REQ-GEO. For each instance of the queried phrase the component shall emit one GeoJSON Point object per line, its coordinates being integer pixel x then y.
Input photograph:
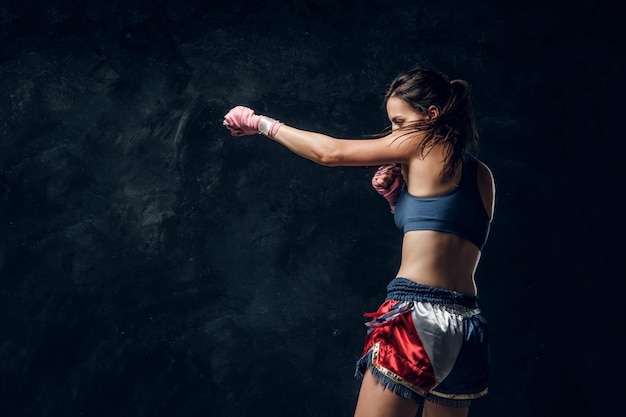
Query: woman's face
{"type": "Point", "coordinates": [400, 113]}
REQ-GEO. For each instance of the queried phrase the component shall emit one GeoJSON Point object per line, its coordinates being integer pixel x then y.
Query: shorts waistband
{"type": "Point", "coordinates": [403, 289]}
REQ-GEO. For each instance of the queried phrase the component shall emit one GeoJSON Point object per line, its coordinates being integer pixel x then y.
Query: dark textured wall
{"type": "Point", "coordinates": [152, 265]}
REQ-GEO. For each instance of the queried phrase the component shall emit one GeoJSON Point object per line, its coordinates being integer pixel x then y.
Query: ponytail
{"type": "Point", "coordinates": [456, 127]}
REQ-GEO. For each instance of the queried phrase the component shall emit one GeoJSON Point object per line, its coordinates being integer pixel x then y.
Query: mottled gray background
{"type": "Point", "coordinates": [152, 265]}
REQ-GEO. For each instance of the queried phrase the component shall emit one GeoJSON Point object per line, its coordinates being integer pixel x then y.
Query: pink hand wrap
{"type": "Point", "coordinates": [391, 183]}
{"type": "Point", "coordinates": [241, 121]}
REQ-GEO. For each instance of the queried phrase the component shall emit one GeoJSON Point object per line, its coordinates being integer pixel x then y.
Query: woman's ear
{"type": "Point", "coordinates": [432, 112]}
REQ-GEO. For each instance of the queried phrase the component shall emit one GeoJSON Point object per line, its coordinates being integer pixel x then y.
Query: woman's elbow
{"type": "Point", "coordinates": [329, 158]}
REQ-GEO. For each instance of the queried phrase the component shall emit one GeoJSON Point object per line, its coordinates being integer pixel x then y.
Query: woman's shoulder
{"type": "Point", "coordinates": [483, 170]}
{"type": "Point", "coordinates": [486, 186]}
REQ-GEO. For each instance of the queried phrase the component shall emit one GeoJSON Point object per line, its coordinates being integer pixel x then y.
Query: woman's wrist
{"type": "Point", "coordinates": [268, 126]}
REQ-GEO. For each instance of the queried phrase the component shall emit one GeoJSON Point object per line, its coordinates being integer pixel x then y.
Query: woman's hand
{"type": "Point", "coordinates": [242, 121]}
{"type": "Point", "coordinates": [388, 182]}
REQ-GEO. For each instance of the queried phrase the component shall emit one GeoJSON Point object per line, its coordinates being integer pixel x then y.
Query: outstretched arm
{"type": "Point", "coordinates": [320, 148]}
{"type": "Point", "coordinates": [329, 151]}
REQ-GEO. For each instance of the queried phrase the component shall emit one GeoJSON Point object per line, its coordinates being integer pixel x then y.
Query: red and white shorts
{"type": "Point", "coordinates": [427, 343]}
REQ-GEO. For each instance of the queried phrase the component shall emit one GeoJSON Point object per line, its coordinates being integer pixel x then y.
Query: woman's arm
{"type": "Point", "coordinates": [323, 149]}
{"type": "Point", "coordinates": [329, 151]}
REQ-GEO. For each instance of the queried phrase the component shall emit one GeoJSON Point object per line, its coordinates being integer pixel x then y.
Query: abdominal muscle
{"type": "Point", "coordinates": [439, 259]}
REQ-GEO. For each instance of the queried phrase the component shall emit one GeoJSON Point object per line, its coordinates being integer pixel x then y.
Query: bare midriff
{"type": "Point", "coordinates": [439, 259]}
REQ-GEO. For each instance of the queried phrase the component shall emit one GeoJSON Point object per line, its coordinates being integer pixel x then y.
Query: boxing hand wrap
{"type": "Point", "coordinates": [241, 120]}
{"type": "Point", "coordinates": [389, 190]}
{"type": "Point", "coordinates": [268, 126]}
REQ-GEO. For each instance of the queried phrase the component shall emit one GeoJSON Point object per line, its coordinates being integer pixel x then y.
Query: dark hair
{"type": "Point", "coordinates": [455, 126]}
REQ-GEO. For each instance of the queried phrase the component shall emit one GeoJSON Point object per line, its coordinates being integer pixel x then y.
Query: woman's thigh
{"type": "Point", "coordinates": [376, 401]}
{"type": "Point", "coordinates": [436, 410]}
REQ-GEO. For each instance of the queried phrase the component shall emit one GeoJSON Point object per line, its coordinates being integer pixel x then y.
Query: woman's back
{"type": "Point", "coordinates": [436, 252]}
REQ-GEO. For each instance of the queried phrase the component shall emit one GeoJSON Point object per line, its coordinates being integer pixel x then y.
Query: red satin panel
{"type": "Point", "coordinates": [400, 351]}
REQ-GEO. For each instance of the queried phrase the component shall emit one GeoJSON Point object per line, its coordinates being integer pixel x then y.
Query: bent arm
{"type": "Point", "coordinates": [329, 151]}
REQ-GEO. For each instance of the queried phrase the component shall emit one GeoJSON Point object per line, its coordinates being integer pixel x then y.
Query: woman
{"type": "Point", "coordinates": [427, 344]}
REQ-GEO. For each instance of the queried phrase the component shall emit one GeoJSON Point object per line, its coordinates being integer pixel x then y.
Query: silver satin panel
{"type": "Point", "coordinates": [440, 328]}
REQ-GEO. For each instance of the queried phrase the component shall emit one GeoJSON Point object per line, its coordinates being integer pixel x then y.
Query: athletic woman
{"type": "Point", "coordinates": [427, 345]}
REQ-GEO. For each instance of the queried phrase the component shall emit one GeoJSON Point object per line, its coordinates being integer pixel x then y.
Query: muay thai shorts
{"type": "Point", "coordinates": [427, 343]}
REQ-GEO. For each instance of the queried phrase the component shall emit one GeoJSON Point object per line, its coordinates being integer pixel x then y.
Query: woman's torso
{"type": "Point", "coordinates": [435, 258]}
